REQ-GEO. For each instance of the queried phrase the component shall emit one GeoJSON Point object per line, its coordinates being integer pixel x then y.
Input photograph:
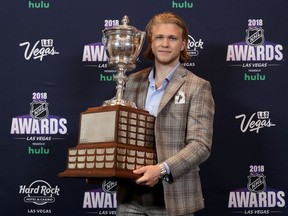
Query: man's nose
{"type": "Point", "coordinates": [165, 42]}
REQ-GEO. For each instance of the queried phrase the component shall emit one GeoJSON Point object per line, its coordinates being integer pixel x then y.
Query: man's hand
{"type": "Point", "coordinates": [150, 175]}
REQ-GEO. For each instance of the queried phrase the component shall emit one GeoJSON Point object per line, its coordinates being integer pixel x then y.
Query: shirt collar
{"type": "Point", "coordinates": [167, 78]}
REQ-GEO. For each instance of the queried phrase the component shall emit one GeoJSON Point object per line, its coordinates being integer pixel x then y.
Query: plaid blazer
{"type": "Point", "coordinates": [183, 133]}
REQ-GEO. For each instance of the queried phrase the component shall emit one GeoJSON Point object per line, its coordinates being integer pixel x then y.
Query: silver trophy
{"type": "Point", "coordinates": [117, 137]}
{"type": "Point", "coordinates": [123, 45]}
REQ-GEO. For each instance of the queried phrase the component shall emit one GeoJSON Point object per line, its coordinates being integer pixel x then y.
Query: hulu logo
{"type": "Point", "coordinates": [38, 5]}
{"type": "Point", "coordinates": [38, 151]}
{"type": "Point", "coordinates": [184, 4]}
{"type": "Point", "coordinates": [106, 78]}
{"type": "Point", "coordinates": [254, 77]}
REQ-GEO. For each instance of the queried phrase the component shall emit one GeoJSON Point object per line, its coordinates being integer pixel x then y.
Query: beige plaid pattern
{"type": "Point", "coordinates": [183, 134]}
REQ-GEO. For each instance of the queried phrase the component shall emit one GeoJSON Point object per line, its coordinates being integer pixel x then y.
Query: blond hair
{"type": "Point", "coordinates": [167, 17]}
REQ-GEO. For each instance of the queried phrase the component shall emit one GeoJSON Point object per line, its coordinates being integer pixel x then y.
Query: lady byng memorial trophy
{"type": "Point", "coordinates": [116, 137]}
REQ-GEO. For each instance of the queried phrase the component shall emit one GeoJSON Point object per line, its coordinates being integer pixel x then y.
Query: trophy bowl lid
{"type": "Point", "coordinates": [123, 27]}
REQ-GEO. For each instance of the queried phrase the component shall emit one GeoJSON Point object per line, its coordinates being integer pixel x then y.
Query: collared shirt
{"type": "Point", "coordinates": [154, 94]}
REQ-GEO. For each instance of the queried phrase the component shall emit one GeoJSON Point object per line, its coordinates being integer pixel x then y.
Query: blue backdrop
{"type": "Point", "coordinates": [53, 61]}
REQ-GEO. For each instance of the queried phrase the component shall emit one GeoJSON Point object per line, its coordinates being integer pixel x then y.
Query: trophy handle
{"type": "Point", "coordinates": [142, 38]}
{"type": "Point", "coordinates": [104, 39]}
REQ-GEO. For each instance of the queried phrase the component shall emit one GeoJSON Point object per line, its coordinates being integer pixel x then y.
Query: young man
{"type": "Point", "coordinates": [184, 109]}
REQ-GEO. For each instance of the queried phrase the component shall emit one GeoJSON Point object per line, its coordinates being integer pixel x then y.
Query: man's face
{"type": "Point", "coordinates": [167, 43]}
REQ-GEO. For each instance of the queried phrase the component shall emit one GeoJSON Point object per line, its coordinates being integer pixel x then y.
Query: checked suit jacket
{"type": "Point", "coordinates": [183, 133]}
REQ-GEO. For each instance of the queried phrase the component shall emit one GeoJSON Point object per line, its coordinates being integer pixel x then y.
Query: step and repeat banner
{"type": "Point", "coordinates": [54, 66]}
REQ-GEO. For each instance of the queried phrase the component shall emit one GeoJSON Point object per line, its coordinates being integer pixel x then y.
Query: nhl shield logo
{"type": "Point", "coordinates": [256, 183]}
{"type": "Point", "coordinates": [39, 110]}
{"type": "Point", "coordinates": [254, 36]}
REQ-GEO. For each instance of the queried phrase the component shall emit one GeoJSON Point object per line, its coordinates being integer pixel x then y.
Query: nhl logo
{"type": "Point", "coordinates": [39, 110]}
{"type": "Point", "coordinates": [256, 183]}
{"type": "Point", "coordinates": [254, 36]}
{"type": "Point", "coordinates": [109, 186]}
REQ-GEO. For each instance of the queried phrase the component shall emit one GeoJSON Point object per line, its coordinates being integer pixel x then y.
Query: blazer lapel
{"type": "Point", "coordinates": [173, 86]}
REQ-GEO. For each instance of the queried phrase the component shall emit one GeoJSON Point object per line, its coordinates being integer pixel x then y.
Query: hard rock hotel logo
{"type": "Point", "coordinates": [38, 127]}
{"type": "Point", "coordinates": [255, 53]}
{"type": "Point", "coordinates": [257, 198]}
{"type": "Point", "coordinates": [40, 193]}
{"type": "Point", "coordinates": [193, 48]}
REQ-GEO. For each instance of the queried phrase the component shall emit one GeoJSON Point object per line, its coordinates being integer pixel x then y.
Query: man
{"type": "Point", "coordinates": [184, 108]}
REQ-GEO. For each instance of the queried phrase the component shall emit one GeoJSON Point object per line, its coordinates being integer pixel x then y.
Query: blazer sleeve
{"type": "Point", "coordinates": [199, 129]}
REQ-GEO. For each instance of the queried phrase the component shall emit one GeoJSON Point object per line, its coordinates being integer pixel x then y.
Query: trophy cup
{"type": "Point", "coordinates": [117, 137]}
{"type": "Point", "coordinates": [123, 45]}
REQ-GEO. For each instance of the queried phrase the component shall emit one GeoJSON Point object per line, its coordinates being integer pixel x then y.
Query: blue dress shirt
{"type": "Point", "coordinates": [154, 94]}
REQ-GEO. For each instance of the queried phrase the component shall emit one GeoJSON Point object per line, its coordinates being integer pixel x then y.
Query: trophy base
{"type": "Point", "coordinates": [106, 161]}
{"type": "Point", "coordinates": [113, 141]}
{"type": "Point", "coordinates": [114, 101]}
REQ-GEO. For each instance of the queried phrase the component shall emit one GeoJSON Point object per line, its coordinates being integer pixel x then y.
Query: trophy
{"type": "Point", "coordinates": [123, 45]}
{"type": "Point", "coordinates": [117, 137]}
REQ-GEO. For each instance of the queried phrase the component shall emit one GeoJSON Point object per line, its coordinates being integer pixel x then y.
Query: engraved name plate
{"type": "Point", "coordinates": [97, 127]}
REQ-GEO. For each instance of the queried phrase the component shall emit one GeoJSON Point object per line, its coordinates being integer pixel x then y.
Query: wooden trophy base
{"type": "Point", "coordinates": [113, 141]}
